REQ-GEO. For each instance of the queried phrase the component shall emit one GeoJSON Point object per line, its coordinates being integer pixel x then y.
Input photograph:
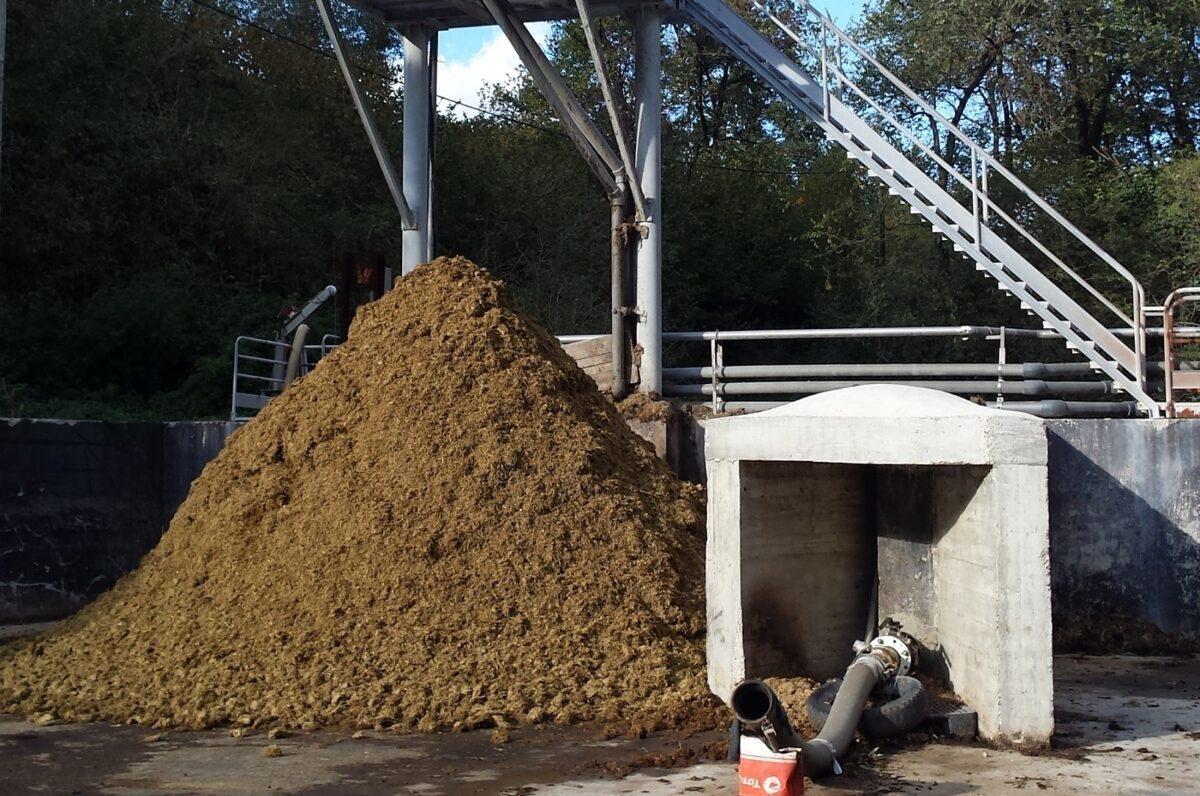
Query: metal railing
{"type": "Point", "coordinates": [834, 41]}
{"type": "Point", "coordinates": [833, 44]}
{"type": "Point", "coordinates": [830, 83]}
{"type": "Point", "coordinates": [717, 381]}
{"type": "Point", "coordinates": [1174, 377]}
{"type": "Point", "coordinates": [259, 367]}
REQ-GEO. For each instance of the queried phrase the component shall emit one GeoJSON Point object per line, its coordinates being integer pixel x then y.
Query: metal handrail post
{"type": "Point", "coordinates": [826, 105]}
{"type": "Point", "coordinates": [829, 27]}
{"type": "Point", "coordinates": [713, 361]}
{"type": "Point", "coordinates": [1183, 294]}
{"type": "Point", "coordinates": [975, 198]}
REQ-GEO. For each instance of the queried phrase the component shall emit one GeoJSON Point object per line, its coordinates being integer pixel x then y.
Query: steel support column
{"type": "Point", "coordinates": [648, 165]}
{"type": "Point", "coordinates": [417, 243]}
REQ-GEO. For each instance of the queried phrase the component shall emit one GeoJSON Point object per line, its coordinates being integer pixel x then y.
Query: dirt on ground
{"type": "Point", "coordinates": [443, 526]}
{"type": "Point", "coordinates": [1108, 632]}
{"type": "Point", "coordinates": [640, 406]}
{"type": "Point", "coordinates": [793, 693]}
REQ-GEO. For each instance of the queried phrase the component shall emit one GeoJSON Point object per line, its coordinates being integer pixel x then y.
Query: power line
{"type": "Point", "coordinates": [495, 114]}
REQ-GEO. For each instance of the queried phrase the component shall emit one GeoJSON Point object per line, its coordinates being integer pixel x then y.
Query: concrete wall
{"type": "Point", "coordinates": [1125, 523]}
{"type": "Point", "coordinates": [807, 542]}
{"type": "Point", "coordinates": [81, 502]}
{"type": "Point", "coordinates": [1124, 494]}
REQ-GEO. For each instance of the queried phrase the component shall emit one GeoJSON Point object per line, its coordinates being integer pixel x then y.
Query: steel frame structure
{"type": "Point", "coordinates": [832, 81]}
{"type": "Point", "coordinates": [630, 174]}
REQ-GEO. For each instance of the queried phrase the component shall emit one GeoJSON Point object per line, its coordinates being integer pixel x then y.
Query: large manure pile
{"type": "Point", "coordinates": [445, 525]}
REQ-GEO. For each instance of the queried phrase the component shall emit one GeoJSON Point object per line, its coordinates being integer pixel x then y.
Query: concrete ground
{"type": "Point", "coordinates": [1124, 724]}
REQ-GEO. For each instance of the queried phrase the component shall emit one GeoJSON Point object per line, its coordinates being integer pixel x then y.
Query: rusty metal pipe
{"type": "Point", "coordinates": [619, 256]}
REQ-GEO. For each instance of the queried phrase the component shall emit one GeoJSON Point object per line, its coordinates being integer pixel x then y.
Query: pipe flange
{"type": "Point", "coordinates": [896, 645]}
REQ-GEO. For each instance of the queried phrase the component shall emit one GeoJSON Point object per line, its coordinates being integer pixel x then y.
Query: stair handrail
{"type": "Point", "coordinates": [1180, 296]}
{"type": "Point", "coordinates": [981, 200]}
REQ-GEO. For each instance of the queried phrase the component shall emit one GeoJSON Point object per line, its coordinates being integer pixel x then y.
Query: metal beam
{"type": "Point", "coordinates": [614, 118]}
{"type": "Point", "coordinates": [648, 162]}
{"type": "Point", "coordinates": [579, 127]}
{"type": "Point", "coordinates": [416, 245]}
{"type": "Point", "coordinates": [407, 219]}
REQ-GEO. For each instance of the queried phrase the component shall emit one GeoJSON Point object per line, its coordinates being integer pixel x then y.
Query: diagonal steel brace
{"type": "Point", "coordinates": [583, 132]}
{"type": "Point", "coordinates": [386, 164]}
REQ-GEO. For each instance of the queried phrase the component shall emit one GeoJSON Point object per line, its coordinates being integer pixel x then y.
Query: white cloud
{"type": "Point", "coordinates": [494, 62]}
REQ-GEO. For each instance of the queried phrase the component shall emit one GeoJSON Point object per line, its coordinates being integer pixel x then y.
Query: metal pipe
{"type": "Point", "coordinates": [1048, 408]}
{"type": "Point", "coordinates": [1028, 370]}
{"type": "Point", "coordinates": [1078, 389]}
{"type": "Point", "coordinates": [433, 71]}
{"type": "Point", "coordinates": [619, 252]}
{"type": "Point", "coordinates": [648, 160]}
{"type": "Point", "coordinates": [841, 334]}
{"type": "Point", "coordinates": [593, 42]}
{"type": "Point", "coordinates": [407, 218]}
{"type": "Point", "coordinates": [415, 243]}
{"type": "Point", "coordinates": [898, 331]}
{"type": "Point", "coordinates": [1073, 408]}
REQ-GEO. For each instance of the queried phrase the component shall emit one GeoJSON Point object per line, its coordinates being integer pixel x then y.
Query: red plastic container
{"type": "Point", "coordinates": [762, 772]}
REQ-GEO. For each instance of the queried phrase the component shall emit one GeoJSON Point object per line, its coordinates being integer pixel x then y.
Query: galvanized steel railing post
{"type": "Point", "coordinates": [975, 209]}
{"type": "Point", "coordinates": [716, 358]}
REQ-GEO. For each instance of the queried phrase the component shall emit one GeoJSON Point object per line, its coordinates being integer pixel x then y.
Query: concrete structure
{"type": "Point", "coordinates": [82, 501]}
{"type": "Point", "coordinates": [1125, 525]}
{"type": "Point", "coordinates": [949, 497]}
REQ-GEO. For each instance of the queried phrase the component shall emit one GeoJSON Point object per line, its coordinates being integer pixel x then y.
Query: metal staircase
{"type": "Point", "coordinates": [977, 212]}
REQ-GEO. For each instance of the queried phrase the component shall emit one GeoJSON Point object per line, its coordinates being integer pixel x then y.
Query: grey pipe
{"type": "Point", "coordinates": [832, 743]}
{"type": "Point", "coordinates": [1029, 370]}
{"type": "Point", "coordinates": [1034, 387]}
{"type": "Point", "coordinates": [620, 368]}
{"type": "Point", "coordinates": [1051, 409]}
{"type": "Point", "coordinates": [756, 706]}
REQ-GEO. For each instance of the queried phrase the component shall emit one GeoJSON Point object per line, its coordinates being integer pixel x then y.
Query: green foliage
{"type": "Point", "coordinates": [171, 177]}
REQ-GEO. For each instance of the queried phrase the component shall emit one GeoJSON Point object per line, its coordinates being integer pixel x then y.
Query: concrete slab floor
{"type": "Point", "coordinates": [1124, 724]}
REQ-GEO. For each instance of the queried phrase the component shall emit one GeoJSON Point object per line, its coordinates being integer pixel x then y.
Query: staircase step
{"type": "Point", "coordinates": [863, 140]}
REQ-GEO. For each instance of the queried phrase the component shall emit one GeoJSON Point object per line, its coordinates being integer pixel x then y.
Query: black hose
{"type": "Point", "coordinates": [755, 705]}
{"type": "Point", "coordinates": [822, 752]}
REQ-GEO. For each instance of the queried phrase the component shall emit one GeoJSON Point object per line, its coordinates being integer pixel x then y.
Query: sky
{"type": "Point", "coordinates": [471, 59]}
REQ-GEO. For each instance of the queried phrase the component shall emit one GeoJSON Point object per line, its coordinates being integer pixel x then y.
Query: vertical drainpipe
{"type": "Point", "coordinates": [648, 163]}
{"type": "Point", "coordinates": [415, 160]}
{"type": "Point", "coordinates": [620, 256]}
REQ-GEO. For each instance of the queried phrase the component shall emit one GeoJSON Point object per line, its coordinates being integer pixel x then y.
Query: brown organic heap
{"type": "Point", "coordinates": [445, 525]}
